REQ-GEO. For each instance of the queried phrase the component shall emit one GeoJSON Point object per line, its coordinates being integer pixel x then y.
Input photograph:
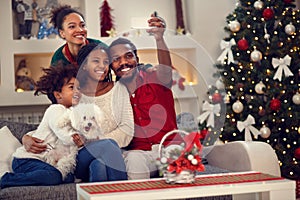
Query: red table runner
{"type": "Point", "coordinates": [99, 188]}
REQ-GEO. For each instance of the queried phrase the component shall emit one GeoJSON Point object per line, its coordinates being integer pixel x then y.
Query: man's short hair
{"type": "Point", "coordinates": [124, 41]}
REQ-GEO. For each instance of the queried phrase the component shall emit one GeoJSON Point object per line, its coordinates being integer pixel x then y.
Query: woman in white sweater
{"type": "Point", "coordinates": [94, 79]}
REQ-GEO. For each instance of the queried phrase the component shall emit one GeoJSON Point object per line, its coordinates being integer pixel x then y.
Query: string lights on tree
{"type": "Point", "coordinates": [259, 67]}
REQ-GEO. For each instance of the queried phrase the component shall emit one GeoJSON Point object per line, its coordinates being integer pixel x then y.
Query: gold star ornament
{"type": "Point", "coordinates": [179, 30]}
{"type": "Point", "coordinates": [112, 32]}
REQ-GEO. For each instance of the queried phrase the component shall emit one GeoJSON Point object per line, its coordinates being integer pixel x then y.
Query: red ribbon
{"type": "Point", "coordinates": [192, 139]}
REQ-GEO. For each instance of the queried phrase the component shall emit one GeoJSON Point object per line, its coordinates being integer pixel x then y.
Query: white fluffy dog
{"type": "Point", "coordinates": [83, 119]}
{"type": "Point", "coordinates": [86, 119]}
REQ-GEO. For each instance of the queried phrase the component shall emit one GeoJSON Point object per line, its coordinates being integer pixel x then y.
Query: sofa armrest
{"type": "Point", "coordinates": [240, 156]}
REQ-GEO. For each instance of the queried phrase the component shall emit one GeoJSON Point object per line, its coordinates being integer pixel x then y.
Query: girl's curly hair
{"type": "Point", "coordinates": [54, 79]}
{"type": "Point", "coordinates": [58, 14]}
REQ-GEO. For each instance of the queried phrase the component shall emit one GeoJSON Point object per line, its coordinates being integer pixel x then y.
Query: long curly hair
{"type": "Point", "coordinates": [58, 14]}
{"type": "Point", "coordinates": [54, 79]}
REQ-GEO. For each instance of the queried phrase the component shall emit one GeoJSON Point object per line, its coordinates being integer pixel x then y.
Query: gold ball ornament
{"type": "Point", "coordinates": [234, 26]}
{"type": "Point", "coordinates": [265, 132]}
{"type": "Point", "coordinates": [259, 87]}
{"type": "Point", "coordinates": [256, 56]}
{"type": "Point", "coordinates": [289, 29]}
{"type": "Point", "coordinates": [237, 107]}
{"type": "Point", "coordinates": [258, 5]}
{"type": "Point", "coordinates": [296, 99]}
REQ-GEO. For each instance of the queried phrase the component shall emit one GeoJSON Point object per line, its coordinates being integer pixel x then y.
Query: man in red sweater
{"type": "Point", "coordinates": [151, 99]}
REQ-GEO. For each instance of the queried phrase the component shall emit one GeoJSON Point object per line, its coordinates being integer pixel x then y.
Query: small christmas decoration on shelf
{"type": "Point", "coordinates": [46, 30]}
{"type": "Point", "coordinates": [179, 18]}
{"type": "Point", "coordinates": [23, 79]}
{"type": "Point", "coordinates": [106, 21]}
{"type": "Point", "coordinates": [179, 163]}
{"type": "Point", "coordinates": [112, 32]}
{"type": "Point", "coordinates": [179, 31]}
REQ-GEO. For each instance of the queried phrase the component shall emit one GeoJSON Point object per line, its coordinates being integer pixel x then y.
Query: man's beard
{"type": "Point", "coordinates": [127, 78]}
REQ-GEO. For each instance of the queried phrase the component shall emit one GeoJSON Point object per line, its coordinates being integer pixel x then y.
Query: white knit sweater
{"type": "Point", "coordinates": [48, 131]}
{"type": "Point", "coordinates": [118, 122]}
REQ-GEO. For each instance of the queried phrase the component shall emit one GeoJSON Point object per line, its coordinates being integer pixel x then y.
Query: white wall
{"type": "Point", "coordinates": [204, 19]}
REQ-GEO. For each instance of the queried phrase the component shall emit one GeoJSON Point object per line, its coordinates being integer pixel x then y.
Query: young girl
{"type": "Point", "coordinates": [29, 168]}
{"type": "Point", "coordinates": [96, 86]}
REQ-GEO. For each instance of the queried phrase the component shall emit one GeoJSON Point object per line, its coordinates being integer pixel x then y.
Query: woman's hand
{"type": "Point", "coordinates": [78, 140]}
{"type": "Point", "coordinates": [33, 145]}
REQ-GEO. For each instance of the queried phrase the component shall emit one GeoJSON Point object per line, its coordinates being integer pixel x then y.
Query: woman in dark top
{"type": "Point", "coordinates": [72, 28]}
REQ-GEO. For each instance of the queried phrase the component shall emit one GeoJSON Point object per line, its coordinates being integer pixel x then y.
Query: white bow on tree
{"type": "Point", "coordinates": [247, 125]}
{"type": "Point", "coordinates": [210, 111]}
{"type": "Point", "coordinates": [226, 46]}
{"type": "Point", "coordinates": [282, 65]}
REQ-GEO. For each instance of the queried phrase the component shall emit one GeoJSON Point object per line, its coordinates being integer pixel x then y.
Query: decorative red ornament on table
{"type": "Point", "coordinates": [179, 163]}
{"type": "Point", "coordinates": [243, 44]}
{"type": "Point", "coordinates": [275, 104]}
{"type": "Point", "coordinates": [297, 153]}
{"type": "Point", "coordinates": [216, 98]}
{"type": "Point", "coordinates": [268, 13]}
{"type": "Point", "coordinates": [191, 141]}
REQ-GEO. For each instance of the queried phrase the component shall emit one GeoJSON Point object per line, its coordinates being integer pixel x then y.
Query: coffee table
{"type": "Point", "coordinates": [242, 186]}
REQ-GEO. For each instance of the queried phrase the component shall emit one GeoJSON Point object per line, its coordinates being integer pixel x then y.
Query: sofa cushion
{"type": "Point", "coordinates": [8, 145]}
{"type": "Point", "coordinates": [18, 129]}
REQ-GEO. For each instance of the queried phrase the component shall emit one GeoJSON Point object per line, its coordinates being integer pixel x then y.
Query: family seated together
{"type": "Point", "coordinates": [137, 109]}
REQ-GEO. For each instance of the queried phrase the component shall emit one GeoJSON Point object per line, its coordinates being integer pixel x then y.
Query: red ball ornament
{"type": "Point", "coordinates": [217, 98]}
{"type": "Point", "coordinates": [243, 44]}
{"type": "Point", "coordinates": [288, 1]}
{"type": "Point", "coordinates": [268, 13]}
{"type": "Point", "coordinates": [297, 153]}
{"type": "Point", "coordinates": [275, 104]}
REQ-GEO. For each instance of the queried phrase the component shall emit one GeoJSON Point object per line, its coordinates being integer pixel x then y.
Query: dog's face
{"type": "Point", "coordinates": [86, 118]}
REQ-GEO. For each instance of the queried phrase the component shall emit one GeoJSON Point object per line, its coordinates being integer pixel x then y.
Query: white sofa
{"type": "Point", "coordinates": [241, 156]}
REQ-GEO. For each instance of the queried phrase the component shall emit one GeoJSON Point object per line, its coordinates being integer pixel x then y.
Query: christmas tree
{"type": "Point", "coordinates": [257, 92]}
{"type": "Point", "coordinates": [106, 21]}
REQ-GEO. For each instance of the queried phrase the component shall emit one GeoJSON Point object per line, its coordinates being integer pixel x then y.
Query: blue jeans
{"type": "Point", "coordinates": [28, 171]}
{"type": "Point", "coordinates": [100, 160]}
